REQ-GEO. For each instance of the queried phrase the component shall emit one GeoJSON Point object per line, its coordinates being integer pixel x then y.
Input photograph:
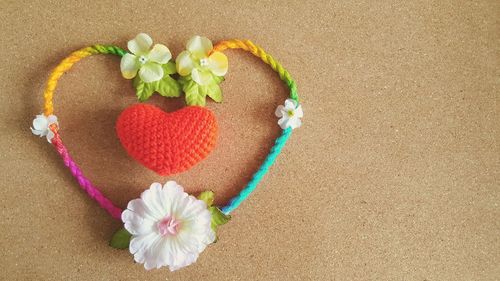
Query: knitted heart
{"type": "Point", "coordinates": [167, 143]}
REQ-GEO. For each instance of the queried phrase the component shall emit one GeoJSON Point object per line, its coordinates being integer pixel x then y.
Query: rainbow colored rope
{"type": "Point", "coordinates": [92, 190]}
{"type": "Point", "coordinates": [257, 51]}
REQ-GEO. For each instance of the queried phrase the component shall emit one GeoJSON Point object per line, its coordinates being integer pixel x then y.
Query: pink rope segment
{"type": "Point", "coordinates": [85, 183]}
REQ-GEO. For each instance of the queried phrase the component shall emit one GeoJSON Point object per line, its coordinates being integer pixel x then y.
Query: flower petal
{"type": "Point", "coordinates": [199, 46]}
{"type": "Point", "coordinates": [52, 119]}
{"type": "Point", "coordinates": [138, 206]}
{"type": "Point", "coordinates": [160, 54]}
{"type": "Point", "coordinates": [151, 72]}
{"type": "Point", "coordinates": [167, 252]}
{"type": "Point", "coordinates": [294, 123]}
{"type": "Point", "coordinates": [217, 63]}
{"type": "Point", "coordinates": [140, 243]}
{"type": "Point", "coordinates": [184, 63]}
{"type": "Point", "coordinates": [140, 44]}
{"type": "Point", "coordinates": [40, 123]}
{"type": "Point", "coordinates": [283, 122]}
{"type": "Point", "coordinates": [50, 135]}
{"type": "Point", "coordinates": [290, 104]}
{"type": "Point", "coordinates": [152, 255]}
{"type": "Point", "coordinates": [298, 112]}
{"type": "Point", "coordinates": [129, 66]}
{"type": "Point", "coordinates": [193, 208]}
{"type": "Point", "coordinates": [137, 224]}
{"type": "Point", "coordinates": [201, 77]}
{"type": "Point", "coordinates": [152, 199]}
{"type": "Point", "coordinates": [38, 132]}
{"type": "Point", "coordinates": [279, 111]}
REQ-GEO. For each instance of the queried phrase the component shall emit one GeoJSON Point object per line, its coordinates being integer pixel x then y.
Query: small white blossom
{"type": "Point", "coordinates": [144, 59]}
{"type": "Point", "coordinates": [200, 61]}
{"type": "Point", "coordinates": [41, 126]}
{"type": "Point", "coordinates": [168, 227]}
{"type": "Point", "coordinates": [289, 114]}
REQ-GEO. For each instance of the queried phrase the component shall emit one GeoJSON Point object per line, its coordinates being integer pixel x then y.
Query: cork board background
{"type": "Point", "coordinates": [394, 175]}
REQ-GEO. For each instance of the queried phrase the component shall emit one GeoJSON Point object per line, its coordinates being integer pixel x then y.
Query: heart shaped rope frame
{"type": "Point", "coordinates": [166, 226]}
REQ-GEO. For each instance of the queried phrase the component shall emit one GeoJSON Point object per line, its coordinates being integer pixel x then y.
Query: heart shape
{"type": "Point", "coordinates": [167, 143]}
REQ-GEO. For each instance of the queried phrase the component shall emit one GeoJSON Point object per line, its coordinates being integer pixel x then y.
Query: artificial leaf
{"type": "Point", "coordinates": [169, 68]}
{"type": "Point", "coordinates": [218, 79]}
{"type": "Point", "coordinates": [194, 98]}
{"type": "Point", "coordinates": [214, 92]}
{"type": "Point", "coordinates": [143, 90]}
{"type": "Point", "coordinates": [167, 87]}
{"type": "Point", "coordinates": [183, 80]}
{"type": "Point", "coordinates": [207, 197]}
{"type": "Point", "coordinates": [194, 95]}
{"type": "Point", "coordinates": [218, 217]}
{"type": "Point", "coordinates": [121, 239]}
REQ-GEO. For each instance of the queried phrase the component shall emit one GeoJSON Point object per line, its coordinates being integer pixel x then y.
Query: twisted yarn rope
{"type": "Point", "coordinates": [64, 66]}
{"type": "Point", "coordinates": [257, 177]}
{"type": "Point", "coordinates": [284, 75]}
{"type": "Point", "coordinates": [92, 190]}
{"type": "Point", "coordinates": [257, 51]}
{"type": "Point", "coordinates": [84, 182]}
{"type": "Point", "coordinates": [67, 63]}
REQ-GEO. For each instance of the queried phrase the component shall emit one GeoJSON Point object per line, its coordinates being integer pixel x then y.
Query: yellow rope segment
{"type": "Point", "coordinates": [64, 66]}
{"type": "Point", "coordinates": [257, 51]}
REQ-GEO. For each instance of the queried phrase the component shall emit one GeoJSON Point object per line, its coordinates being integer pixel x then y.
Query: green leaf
{"type": "Point", "coordinates": [194, 98]}
{"type": "Point", "coordinates": [194, 94]}
{"type": "Point", "coordinates": [143, 90]}
{"type": "Point", "coordinates": [169, 68]}
{"type": "Point", "coordinates": [214, 92]}
{"type": "Point", "coordinates": [168, 87]}
{"type": "Point", "coordinates": [121, 239]}
{"type": "Point", "coordinates": [218, 217]}
{"type": "Point", "coordinates": [208, 197]}
{"type": "Point", "coordinates": [183, 80]}
{"type": "Point", "coordinates": [218, 79]}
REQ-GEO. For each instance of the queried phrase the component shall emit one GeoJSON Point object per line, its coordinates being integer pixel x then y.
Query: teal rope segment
{"type": "Point", "coordinates": [257, 177]}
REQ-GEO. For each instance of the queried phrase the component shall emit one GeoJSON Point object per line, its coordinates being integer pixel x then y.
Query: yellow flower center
{"type": "Point", "coordinates": [290, 113]}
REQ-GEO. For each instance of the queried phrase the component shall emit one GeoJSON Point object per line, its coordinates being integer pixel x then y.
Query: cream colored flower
{"type": "Point", "coordinates": [289, 114]}
{"type": "Point", "coordinates": [200, 62]}
{"type": "Point", "coordinates": [41, 126]}
{"type": "Point", "coordinates": [168, 227]}
{"type": "Point", "coordinates": [144, 59]}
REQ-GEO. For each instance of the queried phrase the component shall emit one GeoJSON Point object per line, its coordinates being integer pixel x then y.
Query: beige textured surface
{"type": "Point", "coordinates": [394, 175]}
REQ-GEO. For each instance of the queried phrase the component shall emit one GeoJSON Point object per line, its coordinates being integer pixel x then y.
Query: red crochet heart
{"type": "Point", "coordinates": [167, 143]}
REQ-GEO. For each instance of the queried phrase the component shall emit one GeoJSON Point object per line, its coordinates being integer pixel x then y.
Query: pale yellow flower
{"type": "Point", "coordinates": [144, 59]}
{"type": "Point", "coordinates": [199, 61]}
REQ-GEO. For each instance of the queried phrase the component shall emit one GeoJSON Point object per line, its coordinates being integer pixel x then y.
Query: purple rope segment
{"type": "Point", "coordinates": [85, 183]}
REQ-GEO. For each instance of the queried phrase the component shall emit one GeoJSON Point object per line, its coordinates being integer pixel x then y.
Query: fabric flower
{"type": "Point", "coordinates": [41, 126]}
{"type": "Point", "coordinates": [200, 62]}
{"type": "Point", "coordinates": [289, 114]}
{"type": "Point", "coordinates": [148, 61]}
{"type": "Point", "coordinates": [168, 227]}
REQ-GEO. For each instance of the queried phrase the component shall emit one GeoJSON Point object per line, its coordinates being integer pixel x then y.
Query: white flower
{"type": "Point", "coordinates": [41, 126]}
{"type": "Point", "coordinates": [199, 61]}
{"type": "Point", "coordinates": [144, 59]}
{"type": "Point", "coordinates": [289, 114]}
{"type": "Point", "coordinates": [168, 227]}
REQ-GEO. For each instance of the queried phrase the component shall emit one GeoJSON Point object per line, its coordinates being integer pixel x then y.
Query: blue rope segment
{"type": "Point", "coordinates": [257, 177]}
